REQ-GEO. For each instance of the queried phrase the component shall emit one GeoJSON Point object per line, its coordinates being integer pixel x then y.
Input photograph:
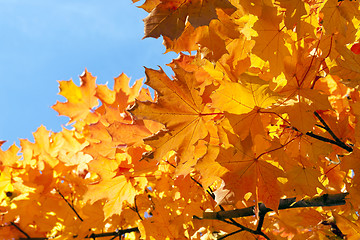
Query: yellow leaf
{"type": "Point", "coordinates": [80, 100]}
{"type": "Point", "coordinates": [240, 98]}
{"type": "Point", "coordinates": [179, 108]}
{"type": "Point", "coordinates": [117, 191]}
{"type": "Point", "coordinates": [348, 66]}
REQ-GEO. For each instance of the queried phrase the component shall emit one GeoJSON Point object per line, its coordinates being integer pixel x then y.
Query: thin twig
{"type": "Point", "coordinates": [137, 210]}
{"type": "Point", "coordinates": [332, 134]}
{"type": "Point", "coordinates": [72, 208]}
{"type": "Point", "coordinates": [116, 233]}
{"type": "Point", "coordinates": [22, 231]}
{"type": "Point", "coordinates": [326, 127]}
{"type": "Point", "coordinates": [323, 139]}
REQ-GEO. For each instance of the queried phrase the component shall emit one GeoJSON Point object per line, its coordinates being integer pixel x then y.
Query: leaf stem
{"type": "Point", "coordinates": [311, 62]}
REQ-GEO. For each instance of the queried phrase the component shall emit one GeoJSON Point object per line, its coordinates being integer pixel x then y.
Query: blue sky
{"type": "Point", "coordinates": [44, 41]}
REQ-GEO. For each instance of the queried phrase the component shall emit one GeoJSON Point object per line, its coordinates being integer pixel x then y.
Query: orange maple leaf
{"type": "Point", "coordinates": [250, 173]}
{"type": "Point", "coordinates": [80, 100]}
{"type": "Point", "coordinates": [117, 191]}
{"type": "Point", "coordinates": [179, 108]}
{"type": "Point", "coordinates": [348, 66]}
{"type": "Point", "coordinates": [169, 17]}
{"type": "Point", "coordinates": [270, 42]}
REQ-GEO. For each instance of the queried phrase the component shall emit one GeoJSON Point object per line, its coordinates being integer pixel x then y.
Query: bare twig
{"type": "Point", "coordinates": [19, 229]}
{"type": "Point", "coordinates": [72, 208]}
{"type": "Point", "coordinates": [136, 209]}
{"type": "Point", "coordinates": [332, 134]}
{"type": "Point", "coordinates": [116, 233]}
{"type": "Point", "coordinates": [328, 140]}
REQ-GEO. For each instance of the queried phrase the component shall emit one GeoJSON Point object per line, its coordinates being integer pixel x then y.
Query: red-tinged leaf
{"type": "Point", "coordinates": [355, 48]}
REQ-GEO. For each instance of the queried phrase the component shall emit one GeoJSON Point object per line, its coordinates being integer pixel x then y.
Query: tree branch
{"type": "Point", "coordinates": [95, 235]}
{"type": "Point", "coordinates": [261, 222]}
{"type": "Point", "coordinates": [336, 141]}
{"type": "Point", "coordinates": [116, 233]}
{"type": "Point", "coordinates": [325, 200]}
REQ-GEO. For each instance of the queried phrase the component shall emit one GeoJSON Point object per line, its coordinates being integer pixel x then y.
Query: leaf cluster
{"type": "Point", "coordinates": [260, 122]}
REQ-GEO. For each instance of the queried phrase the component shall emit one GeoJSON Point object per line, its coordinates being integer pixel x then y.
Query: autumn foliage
{"type": "Point", "coordinates": [255, 136]}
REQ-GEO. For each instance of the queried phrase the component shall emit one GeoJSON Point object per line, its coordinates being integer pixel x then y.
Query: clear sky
{"type": "Point", "coordinates": [43, 41]}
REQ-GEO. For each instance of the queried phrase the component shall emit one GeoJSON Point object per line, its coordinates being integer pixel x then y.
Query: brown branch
{"type": "Point", "coordinates": [334, 228]}
{"type": "Point", "coordinates": [324, 139]}
{"type": "Point", "coordinates": [116, 233]}
{"type": "Point", "coordinates": [96, 235]}
{"type": "Point", "coordinates": [325, 200]}
{"type": "Point", "coordinates": [326, 127]}
{"type": "Point", "coordinates": [332, 134]}
{"type": "Point", "coordinates": [261, 222]}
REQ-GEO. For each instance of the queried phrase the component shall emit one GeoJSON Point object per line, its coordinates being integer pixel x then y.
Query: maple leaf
{"type": "Point", "coordinates": [237, 61]}
{"type": "Point", "coordinates": [295, 9]}
{"type": "Point", "coordinates": [5, 183]}
{"type": "Point", "coordinates": [270, 42]}
{"type": "Point", "coordinates": [240, 98]}
{"type": "Point", "coordinates": [117, 191]}
{"type": "Point", "coordinates": [9, 157]}
{"type": "Point", "coordinates": [348, 66]}
{"type": "Point", "coordinates": [248, 173]}
{"type": "Point", "coordinates": [179, 108]}
{"type": "Point", "coordinates": [210, 170]}
{"type": "Point", "coordinates": [162, 223]}
{"type": "Point", "coordinates": [119, 133]}
{"type": "Point", "coordinates": [169, 17]}
{"type": "Point", "coordinates": [186, 42]}
{"type": "Point", "coordinates": [305, 180]}
{"type": "Point", "coordinates": [149, 5]}
{"type": "Point", "coordinates": [237, 118]}
{"type": "Point", "coordinates": [80, 100]}
{"type": "Point", "coordinates": [337, 17]}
